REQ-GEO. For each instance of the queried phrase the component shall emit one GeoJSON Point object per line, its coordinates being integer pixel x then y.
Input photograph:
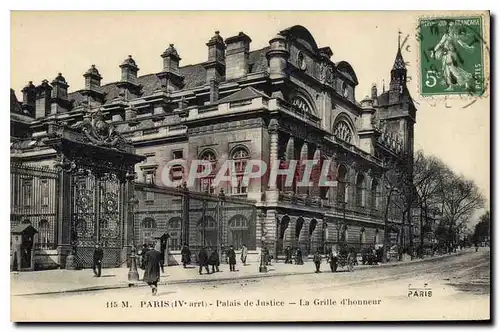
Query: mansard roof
{"type": "Point", "coordinates": [194, 76]}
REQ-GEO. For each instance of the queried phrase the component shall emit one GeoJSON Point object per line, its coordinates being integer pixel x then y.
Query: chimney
{"type": "Point", "coordinates": [277, 57]}
{"type": "Point", "coordinates": [237, 50]}
{"type": "Point", "coordinates": [59, 101]}
{"type": "Point", "coordinates": [214, 91]}
{"type": "Point", "coordinates": [171, 78]}
{"type": "Point", "coordinates": [29, 98]}
{"type": "Point", "coordinates": [43, 96]}
{"type": "Point", "coordinates": [129, 87]}
{"type": "Point", "coordinates": [216, 64]}
{"type": "Point", "coordinates": [93, 86]}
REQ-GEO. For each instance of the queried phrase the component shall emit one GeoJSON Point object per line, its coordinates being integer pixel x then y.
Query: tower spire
{"type": "Point", "coordinates": [399, 40]}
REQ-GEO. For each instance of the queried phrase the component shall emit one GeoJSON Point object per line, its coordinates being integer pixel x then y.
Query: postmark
{"type": "Point", "coordinates": [452, 56]}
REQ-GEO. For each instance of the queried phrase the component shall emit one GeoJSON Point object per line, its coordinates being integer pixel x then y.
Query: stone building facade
{"type": "Point", "coordinates": [286, 101]}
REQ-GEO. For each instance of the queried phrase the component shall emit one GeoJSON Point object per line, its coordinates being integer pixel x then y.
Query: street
{"type": "Point", "coordinates": [455, 287]}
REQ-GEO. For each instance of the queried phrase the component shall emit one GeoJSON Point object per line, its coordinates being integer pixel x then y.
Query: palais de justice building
{"type": "Point", "coordinates": [288, 100]}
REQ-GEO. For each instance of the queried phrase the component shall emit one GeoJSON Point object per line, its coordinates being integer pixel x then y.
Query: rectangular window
{"type": "Point", "coordinates": [27, 192]}
{"type": "Point", "coordinates": [150, 196]}
{"type": "Point", "coordinates": [178, 154]}
{"type": "Point", "coordinates": [149, 177]}
{"type": "Point", "coordinates": [206, 185]}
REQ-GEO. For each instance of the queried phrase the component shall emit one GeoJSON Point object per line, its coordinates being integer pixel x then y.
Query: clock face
{"type": "Point", "coordinates": [301, 61]}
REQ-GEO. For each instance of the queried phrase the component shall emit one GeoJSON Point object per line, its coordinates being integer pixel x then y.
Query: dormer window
{"type": "Point", "coordinates": [344, 90]}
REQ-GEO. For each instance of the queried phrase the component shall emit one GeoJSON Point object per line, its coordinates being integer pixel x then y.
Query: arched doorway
{"type": "Point", "coordinates": [238, 234]}
{"type": "Point", "coordinates": [282, 227]}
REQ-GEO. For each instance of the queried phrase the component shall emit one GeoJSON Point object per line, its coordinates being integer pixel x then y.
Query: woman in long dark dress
{"type": "Point", "coordinates": [152, 267]}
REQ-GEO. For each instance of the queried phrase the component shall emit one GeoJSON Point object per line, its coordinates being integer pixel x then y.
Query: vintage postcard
{"type": "Point", "coordinates": [250, 166]}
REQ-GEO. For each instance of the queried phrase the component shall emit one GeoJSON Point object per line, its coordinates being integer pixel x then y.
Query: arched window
{"type": "Point", "coordinates": [360, 190]}
{"type": "Point", "coordinates": [148, 228]}
{"type": "Point", "coordinates": [374, 195]}
{"type": "Point", "coordinates": [44, 236]}
{"type": "Point", "coordinates": [341, 184]}
{"type": "Point", "coordinates": [240, 157]}
{"type": "Point", "coordinates": [238, 231]}
{"type": "Point", "coordinates": [206, 183]}
{"type": "Point", "coordinates": [343, 132]}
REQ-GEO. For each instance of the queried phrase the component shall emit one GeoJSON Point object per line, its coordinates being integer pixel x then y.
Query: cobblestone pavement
{"type": "Point", "coordinates": [459, 286]}
{"type": "Point", "coordinates": [53, 281]}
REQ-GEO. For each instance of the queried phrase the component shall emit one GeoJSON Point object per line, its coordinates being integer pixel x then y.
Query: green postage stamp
{"type": "Point", "coordinates": [452, 56]}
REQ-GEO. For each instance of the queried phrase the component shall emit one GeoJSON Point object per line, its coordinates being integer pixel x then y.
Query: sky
{"type": "Point", "coordinates": [46, 43]}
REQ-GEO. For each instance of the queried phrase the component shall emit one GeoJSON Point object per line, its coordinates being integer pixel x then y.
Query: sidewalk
{"type": "Point", "coordinates": [62, 281]}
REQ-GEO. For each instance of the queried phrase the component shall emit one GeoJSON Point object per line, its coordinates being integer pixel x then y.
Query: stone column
{"type": "Point", "coordinates": [128, 221]}
{"type": "Point", "coordinates": [272, 192]}
{"type": "Point", "coordinates": [270, 224]}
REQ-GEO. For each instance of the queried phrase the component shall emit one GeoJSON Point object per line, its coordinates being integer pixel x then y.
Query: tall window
{"type": "Point", "coordinates": [377, 237]}
{"type": "Point", "coordinates": [44, 192]}
{"type": "Point", "coordinates": [240, 157]}
{"type": "Point", "coordinates": [207, 182]}
{"type": "Point", "coordinates": [374, 195]}
{"type": "Point", "coordinates": [342, 184]}
{"type": "Point", "coordinates": [27, 192]}
{"type": "Point", "coordinates": [360, 190]}
{"type": "Point", "coordinates": [174, 227]}
{"type": "Point", "coordinates": [148, 228]}
{"type": "Point", "coordinates": [238, 228]}
{"type": "Point", "coordinates": [362, 236]}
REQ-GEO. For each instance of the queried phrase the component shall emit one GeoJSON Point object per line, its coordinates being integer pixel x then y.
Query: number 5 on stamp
{"type": "Point", "coordinates": [451, 56]}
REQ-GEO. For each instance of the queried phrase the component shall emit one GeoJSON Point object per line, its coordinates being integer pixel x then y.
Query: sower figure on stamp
{"type": "Point", "coordinates": [152, 266]}
{"type": "Point", "coordinates": [97, 264]}
{"type": "Point", "coordinates": [244, 253]}
{"type": "Point", "coordinates": [203, 260]}
{"type": "Point", "coordinates": [186, 255]}
{"type": "Point", "coordinates": [213, 261]}
{"type": "Point", "coordinates": [317, 260]}
{"type": "Point", "coordinates": [288, 255]}
{"type": "Point", "coordinates": [231, 256]}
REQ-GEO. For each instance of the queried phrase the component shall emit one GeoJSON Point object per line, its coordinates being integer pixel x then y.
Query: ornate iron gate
{"type": "Point", "coordinates": [96, 217]}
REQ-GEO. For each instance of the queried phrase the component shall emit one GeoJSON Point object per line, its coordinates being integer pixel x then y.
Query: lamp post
{"type": "Point", "coordinates": [262, 265]}
{"type": "Point", "coordinates": [133, 275]}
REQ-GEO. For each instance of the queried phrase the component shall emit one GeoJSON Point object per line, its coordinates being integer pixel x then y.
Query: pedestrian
{"type": "Point", "coordinates": [97, 261]}
{"type": "Point", "coordinates": [288, 255]}
{"type": "Point", "coordinates": [298, 257]}
{"type": "Point", "coordinates": [267, 256]}
{"type": "Point", "coordinates": [142, 254]}
{"type": "Point", "coordinates": [244, 253]}
{"type": "Point", "coordinates": [186, 255]}
{"type": "Point", "coordinates": [332, 259]}
{"type": "Point", "coordinates": [152, 267]}
{"type": "Point", "coordinates": [203, 260]}
{"type": "Point", "coordinates": [231, 256]}
{"type": "Point", "coordinates": [214, 261]}
{"type": "Point", "coordinates": [476, 245]}
{"type": "Point", "coordinates": [317, 260]}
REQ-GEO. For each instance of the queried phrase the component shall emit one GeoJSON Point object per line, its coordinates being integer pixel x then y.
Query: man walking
{"type": "Point", "coordinates": [244, 253]}
{"type": "Point", "coordinates": [186, 255]}
{"type": "Point", "coordinates": [317, 260]}
{"type": "Point", "coordinates": [231, 256]}
{"type": "Point", "coordinates": [97, 262]}
{"type": "Point", "coordinates": [203, 260]}
{"type": "Point", "coordinates": [213, 261]}
{"type": "Point", "coordinates": [152, 266]}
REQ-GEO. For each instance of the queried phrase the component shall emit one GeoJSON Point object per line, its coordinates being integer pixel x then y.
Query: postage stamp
{"type": "Point", "coordinates": [452, 56]}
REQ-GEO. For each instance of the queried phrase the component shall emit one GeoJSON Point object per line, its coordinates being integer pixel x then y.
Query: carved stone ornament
{"type": "Point", "coordinates": [326, 74]}
{"type": "Point", "coordinates": [99, 132]}
{"type": "Point", "coordinates": [343, 132]}
{"type": "Point", "coordinates": [273, 126]}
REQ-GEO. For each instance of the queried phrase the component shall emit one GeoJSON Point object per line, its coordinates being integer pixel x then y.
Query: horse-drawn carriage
{"type": "Point", "coordinates": [345, 258]}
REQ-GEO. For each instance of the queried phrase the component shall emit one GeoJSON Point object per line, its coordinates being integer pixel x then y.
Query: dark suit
{"type": "Point", "coordinates": [97, 264]}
